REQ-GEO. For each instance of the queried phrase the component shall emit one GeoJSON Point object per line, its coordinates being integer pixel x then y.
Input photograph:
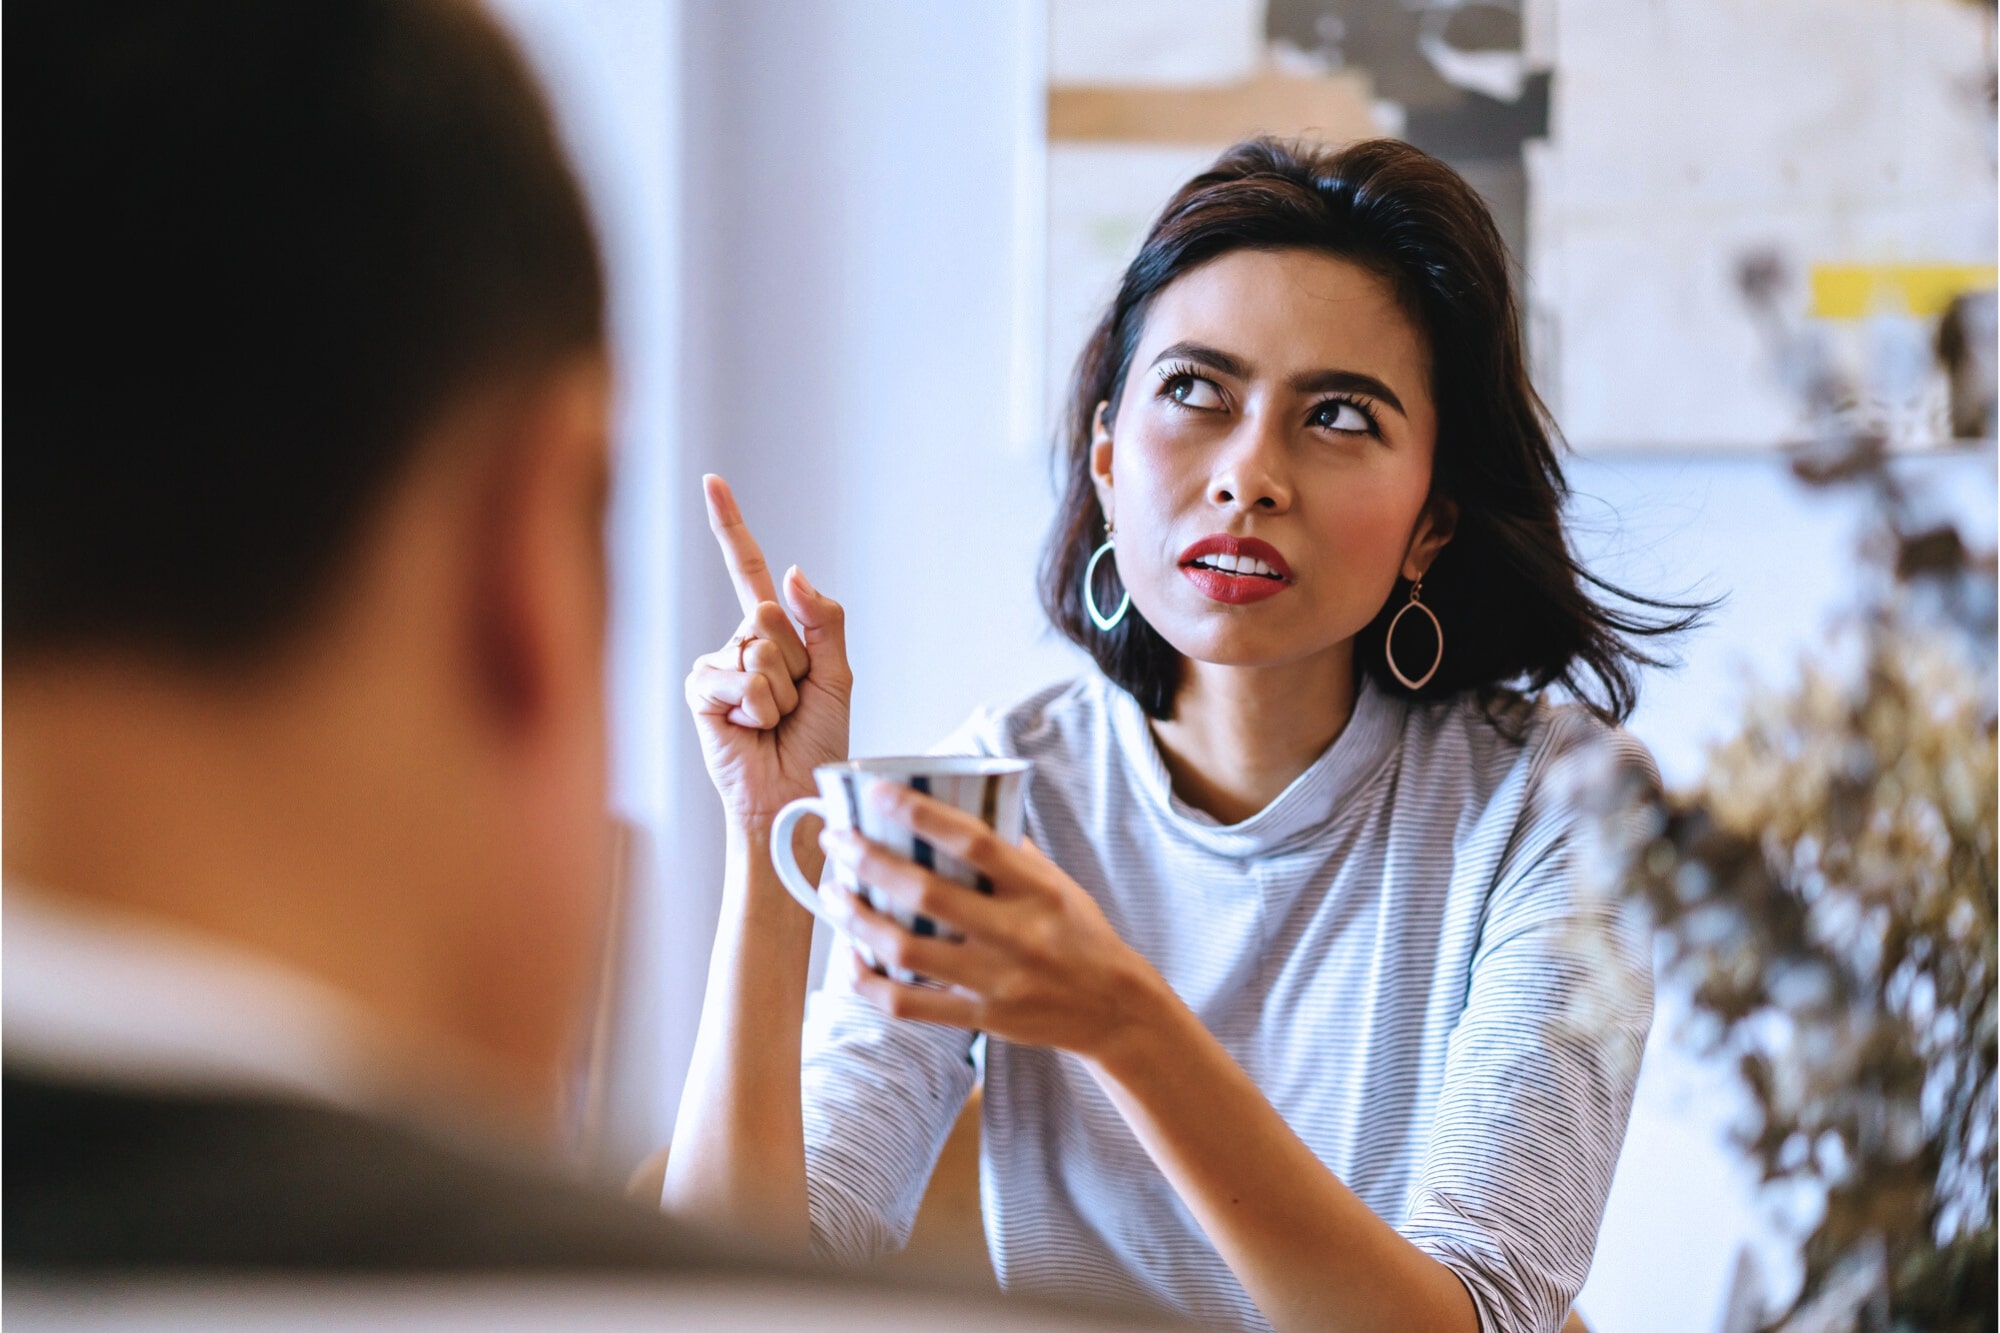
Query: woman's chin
{"type": "Point", "coordinates": [1250, 647]}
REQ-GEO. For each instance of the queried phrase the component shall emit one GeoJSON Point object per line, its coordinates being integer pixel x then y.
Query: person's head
{"type": "Point", "coordinates": [1320, 351]}
{"type": "Point", "coordinates": [307, 457]}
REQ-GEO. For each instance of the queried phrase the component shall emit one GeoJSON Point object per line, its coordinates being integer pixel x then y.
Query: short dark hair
{"type": "Point", "coordinates": [255, 250]}
{"type": "Point", "coordinates": [1515, 603]}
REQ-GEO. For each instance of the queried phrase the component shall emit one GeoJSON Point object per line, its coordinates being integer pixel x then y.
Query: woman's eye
{"type": "Point", "coordinates": [1342, 416]}
{"type": "Point", "coordinates": [1193, 391]}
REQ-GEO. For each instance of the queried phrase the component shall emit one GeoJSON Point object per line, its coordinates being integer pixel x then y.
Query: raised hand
{"type": "Point", "coordinates": [771, 704]}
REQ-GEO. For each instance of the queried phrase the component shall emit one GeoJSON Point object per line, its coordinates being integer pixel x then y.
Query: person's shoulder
{"type": "Point", "coordinates": [100, 1177]}
{"type": "Point", "coordinates": [1573, 746]}
{"type": "Point", "coordinates": [1488, 738]}
{"type": "Point", "coordinates": [202, 1190]}
{"type": "Point", "coordinates": [1058, 719]}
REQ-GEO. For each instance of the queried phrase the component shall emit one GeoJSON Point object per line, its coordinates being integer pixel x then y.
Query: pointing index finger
{"type": "Point", "coordinates": [740, 552]}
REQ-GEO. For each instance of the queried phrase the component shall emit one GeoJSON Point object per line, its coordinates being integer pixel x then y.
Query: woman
{"type": "Point", "coordinates": [1279, 1006]}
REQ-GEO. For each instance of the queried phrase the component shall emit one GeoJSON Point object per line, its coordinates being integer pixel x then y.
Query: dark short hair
{"type": "Point", "coordinates": [255, 249]}
{"type": "Point", "coordinates": [1518, 609]}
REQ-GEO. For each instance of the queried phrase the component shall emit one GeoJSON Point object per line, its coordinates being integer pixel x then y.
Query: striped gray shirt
{"type": "Point", "coordinates": [1396, 950]}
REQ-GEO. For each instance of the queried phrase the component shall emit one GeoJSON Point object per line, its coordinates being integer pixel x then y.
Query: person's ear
{"type": "Point", "coordinates": [1436, 526]}
{"type": "Point", "coordinates": [539, 575]}
{"type": "Point", "coordinates": [1100, 456]}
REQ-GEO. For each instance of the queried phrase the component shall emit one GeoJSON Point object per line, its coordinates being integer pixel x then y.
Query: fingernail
{"type": "Point", "coordinates": [804, 582]}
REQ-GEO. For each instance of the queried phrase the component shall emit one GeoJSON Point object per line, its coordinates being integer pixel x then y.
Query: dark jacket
{"type": "Point", "coordinates": [101, 1178]}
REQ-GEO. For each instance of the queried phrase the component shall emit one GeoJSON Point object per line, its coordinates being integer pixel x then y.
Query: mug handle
{"type": "Point", "coordinates": [787, 865]}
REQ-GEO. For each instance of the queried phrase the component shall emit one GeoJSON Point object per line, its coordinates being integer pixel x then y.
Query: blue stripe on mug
{"type": "Point", "coordinates": [921, 853]}
{"type": "Point", "coordinates": [989, 812]}
{"type": "Point", "coordinates": [853, 794]}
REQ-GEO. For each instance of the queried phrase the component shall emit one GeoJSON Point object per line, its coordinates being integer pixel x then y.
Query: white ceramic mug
{"type": "Point", "coordinates": [991, 790]}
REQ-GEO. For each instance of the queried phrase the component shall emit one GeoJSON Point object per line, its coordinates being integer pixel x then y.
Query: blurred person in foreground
{"type": "Point", "coordinates": [304, 658]}
{"type": "Point", "coordinates": [304, 731]}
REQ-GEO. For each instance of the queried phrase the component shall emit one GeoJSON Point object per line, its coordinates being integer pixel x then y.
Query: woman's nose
{"type": "Point", "coordinates": [1251, 473]}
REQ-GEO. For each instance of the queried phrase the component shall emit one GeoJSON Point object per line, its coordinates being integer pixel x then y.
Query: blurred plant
{"type": "Point", "coordinates": [1827, 897]}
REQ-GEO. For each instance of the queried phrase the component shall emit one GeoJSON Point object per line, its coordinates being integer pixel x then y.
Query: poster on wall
{"type": "Point", "coordinates": [1635, 156]}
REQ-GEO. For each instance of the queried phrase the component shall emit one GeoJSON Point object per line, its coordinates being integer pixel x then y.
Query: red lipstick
{"type": "Point", "coordinates": [1224, 569]}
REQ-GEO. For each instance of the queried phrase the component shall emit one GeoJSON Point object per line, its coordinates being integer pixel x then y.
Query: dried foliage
{"type": "Point", "coordinates": [1827, 895]}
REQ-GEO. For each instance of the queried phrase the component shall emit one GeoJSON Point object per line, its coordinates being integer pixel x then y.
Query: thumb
{"type": "Point", "coordinates": [823, 626]}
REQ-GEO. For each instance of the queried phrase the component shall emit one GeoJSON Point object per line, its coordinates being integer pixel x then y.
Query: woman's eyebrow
{"type": "Point", "coordinates": [1311, 381]}
{"type": "Point", "coordinates": [1346, 381]}
{"type": "Point", "coordinates": [1213, 358]}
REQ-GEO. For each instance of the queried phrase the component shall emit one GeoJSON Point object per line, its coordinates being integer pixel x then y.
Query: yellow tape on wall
{"type": "Point", "coordinates": [1855, 291]}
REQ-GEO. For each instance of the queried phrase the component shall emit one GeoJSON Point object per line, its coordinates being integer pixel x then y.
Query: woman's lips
{"type": "Point", "coordinates": [1242, 584]}
{"type": "Point", "coordinates": [1233, 588]}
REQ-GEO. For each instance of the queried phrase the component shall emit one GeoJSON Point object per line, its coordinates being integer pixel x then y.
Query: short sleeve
{"type": "Point", "coordinates": [1540, 1069]}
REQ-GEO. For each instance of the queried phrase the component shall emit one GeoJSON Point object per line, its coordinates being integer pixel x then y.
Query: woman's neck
{"type": "Point", "coordinates": [1240, 735]}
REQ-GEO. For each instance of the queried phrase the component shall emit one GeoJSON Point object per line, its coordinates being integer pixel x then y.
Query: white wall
{"type": "Point", "coordinates": [854, 278]}
{"type": "Point", "coordinates": [817, 216]}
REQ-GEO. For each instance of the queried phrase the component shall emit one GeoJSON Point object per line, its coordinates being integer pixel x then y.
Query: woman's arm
{"type": "Point", "coordinates": [769, 707]}
{"type": "Point", "coordinates": [1308, 1251]}
{"type": "Point", "coordinates": [1041, 966]}
{"type": "Point", "coordinates": [739, 1143]}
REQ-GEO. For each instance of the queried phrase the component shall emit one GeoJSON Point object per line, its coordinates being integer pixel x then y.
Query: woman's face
{"type": "Point", "coordinates": [1268, 470]}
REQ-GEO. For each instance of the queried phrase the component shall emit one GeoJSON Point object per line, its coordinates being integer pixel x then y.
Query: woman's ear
{"type": "Point", "coordinates": [1435, 527]}
{"type": "Point", "coordinates": [1100, 456]}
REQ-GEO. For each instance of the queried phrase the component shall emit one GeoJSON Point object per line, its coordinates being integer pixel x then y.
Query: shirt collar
{"type": "Point", "coordinates": [1313, 798]}
{"type": "Point", "coordinates": [101, 997]}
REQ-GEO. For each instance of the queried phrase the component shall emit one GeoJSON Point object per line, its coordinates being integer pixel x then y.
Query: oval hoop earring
{"type": "Point", "coordinates": [1097, 617]}
{"type": "Point", "coordinates": [1389, 640]}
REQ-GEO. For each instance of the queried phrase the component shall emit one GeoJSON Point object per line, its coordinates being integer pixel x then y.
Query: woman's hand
{"type": "Point", "coordinates": [1038, 963]}
{"type": "Point", "coordinates": [771, 704]}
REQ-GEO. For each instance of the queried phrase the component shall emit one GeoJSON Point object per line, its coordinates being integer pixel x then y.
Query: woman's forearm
{"type": "Point", "coordinates": [738, 1158]}
{"type": "Point", "coordinates": [1308, 1251]}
